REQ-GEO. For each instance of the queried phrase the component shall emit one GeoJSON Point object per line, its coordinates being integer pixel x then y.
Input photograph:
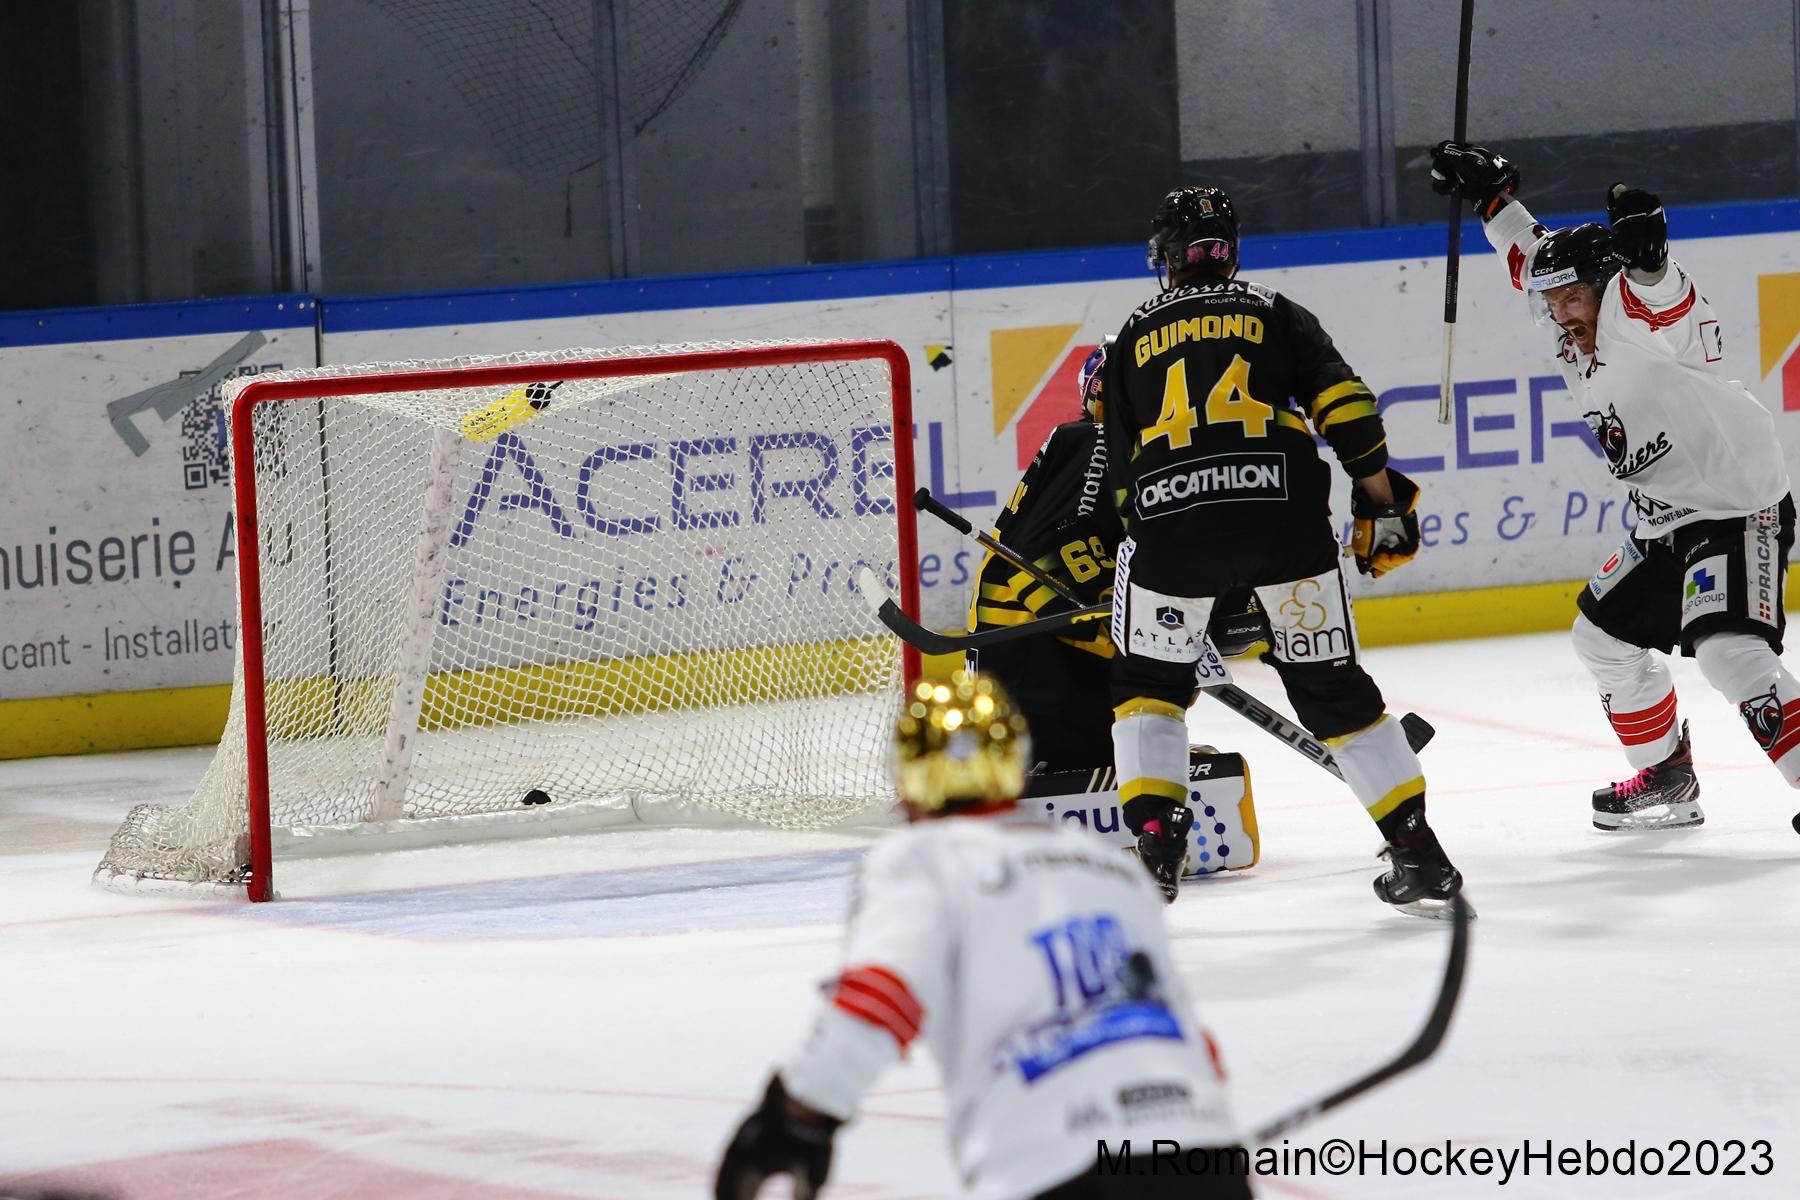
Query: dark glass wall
{"type": "Point", "coordinates": [190, 148]}
{"type": "Point", "coordinates": [1062, 118]}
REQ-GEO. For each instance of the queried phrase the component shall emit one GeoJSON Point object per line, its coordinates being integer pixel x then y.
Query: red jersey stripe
{"type": "Point", "coordinates": [890, 985]}
{"type": "Point", "coordinates": [1638, 310]}
{"type": "Point", "coordinates": [877, 1013]}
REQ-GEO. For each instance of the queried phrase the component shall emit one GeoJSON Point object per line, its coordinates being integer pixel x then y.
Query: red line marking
{"type": "Point", "coordinates": [745, 1101]}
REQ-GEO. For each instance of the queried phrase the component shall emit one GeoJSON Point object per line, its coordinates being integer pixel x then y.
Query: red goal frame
{"type": "Point", "coordinates": [260, 885]}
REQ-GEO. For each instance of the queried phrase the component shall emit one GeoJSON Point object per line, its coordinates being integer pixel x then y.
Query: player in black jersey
{"type": "Point", "coordinates": [1062, 519]}
{"type": "Point", "coordinates": [1210, 389]}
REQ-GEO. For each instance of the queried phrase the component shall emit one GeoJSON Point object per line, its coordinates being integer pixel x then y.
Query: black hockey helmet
{"type": "Point", "coordinates": [1577, 254]}
{"type": "Point", "coordinates": [1194, 227]}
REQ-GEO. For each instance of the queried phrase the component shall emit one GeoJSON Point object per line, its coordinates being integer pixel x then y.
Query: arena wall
{"type": "Point", "coordinates": [116, 539]}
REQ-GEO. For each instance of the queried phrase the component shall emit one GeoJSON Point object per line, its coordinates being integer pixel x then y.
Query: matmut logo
{"type": "Point", "coordinates": [1036, 371]}
{"type": "Point", "coordinates": [1778, 315]}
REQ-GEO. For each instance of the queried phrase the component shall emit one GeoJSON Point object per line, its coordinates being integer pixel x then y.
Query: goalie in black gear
{"type": "Point", "coordinates": [1062, 519]}
{"type": "Point", "coordinates": [1213, 392]}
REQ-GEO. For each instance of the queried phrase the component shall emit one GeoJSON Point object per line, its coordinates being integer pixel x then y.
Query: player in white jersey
{"type": "Point", "coordinates": [1033, 960]}
{"type": "Point", "coordinates": [1642, 353]}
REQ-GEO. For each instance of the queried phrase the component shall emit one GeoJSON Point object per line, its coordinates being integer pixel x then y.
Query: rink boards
{"type": "Point", "coordinates": [117, 544]}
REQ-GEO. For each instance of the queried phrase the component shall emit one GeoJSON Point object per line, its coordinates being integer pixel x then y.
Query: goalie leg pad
{"type": "Point", "coordinates": [1224, 836]}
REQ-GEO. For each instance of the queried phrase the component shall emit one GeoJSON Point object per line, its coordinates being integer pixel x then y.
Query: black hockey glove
{"type": "Point", "coordinates": [777, 1140]}
{"type": "Point", "coordinates": [1639, 229]}
{"type": "Point", "coordinates": [1384, 536]}
{"type": "Point", "coordinates": [1485, 178]}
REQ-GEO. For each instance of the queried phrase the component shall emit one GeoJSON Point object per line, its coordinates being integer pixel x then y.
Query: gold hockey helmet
{"type": "Point", "coordinates": [960, 743]}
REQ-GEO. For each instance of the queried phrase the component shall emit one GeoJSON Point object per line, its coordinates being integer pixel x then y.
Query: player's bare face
{"type": "Point", "coordinates": [1576, 307]}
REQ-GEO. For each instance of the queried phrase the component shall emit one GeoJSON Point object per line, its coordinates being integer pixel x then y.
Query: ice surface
{"type": "Point", "coordinates": [590, 1016]}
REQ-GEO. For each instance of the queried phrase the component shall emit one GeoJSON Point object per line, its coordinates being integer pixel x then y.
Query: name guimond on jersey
{"type": "Point", "coordinates": [1213, 480]}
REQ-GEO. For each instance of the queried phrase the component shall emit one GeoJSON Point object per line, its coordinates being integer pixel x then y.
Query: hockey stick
{"type": "Point", "coordinates": [924, 501]}
{"type": "Point", "coordinates": [1422, 1047]}
{"type": "Point", "coordinates": [931, 642]}
{"type": "Point", "coordinates": [1418, 730]}
{"type": "Point", "coordinates": [1453, 256]}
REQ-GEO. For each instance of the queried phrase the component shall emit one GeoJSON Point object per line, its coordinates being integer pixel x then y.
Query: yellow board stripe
{"type": "Point", "coordinates": [313, 706]}
{"type": "Point", "coordinates": [195, 716]}
{"type": "Point", "coordinates": [1147, 705]}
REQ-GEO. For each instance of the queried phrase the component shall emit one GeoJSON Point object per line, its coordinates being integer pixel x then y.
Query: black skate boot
{"type": "Point", "coordinates": [1665, 796]}
{"type": "Point", "coordinates": [1163, 848]}
{"type": "Point", "coordinates": [1420, 879]}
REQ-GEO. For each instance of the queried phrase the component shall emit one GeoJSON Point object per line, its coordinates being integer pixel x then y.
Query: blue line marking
{"type": "Point", "coordinates": [745, 893]}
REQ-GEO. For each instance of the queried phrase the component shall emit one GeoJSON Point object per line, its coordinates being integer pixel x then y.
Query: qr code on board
{"type": "Point", "coordinates": [205, 457]}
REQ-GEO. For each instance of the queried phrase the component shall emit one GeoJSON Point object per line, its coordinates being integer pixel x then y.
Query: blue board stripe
{"type": "Point", "coordinates": [56, 326]}
{"type": "Point", "coordinates": [794, 284]}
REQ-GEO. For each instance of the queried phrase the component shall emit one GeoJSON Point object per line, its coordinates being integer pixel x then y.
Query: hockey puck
{"type": "Point", "coordinates": [1797, 822]}
{"type": "Point", "coordinates": [535, 796]}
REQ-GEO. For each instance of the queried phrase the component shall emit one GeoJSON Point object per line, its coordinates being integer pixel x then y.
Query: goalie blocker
{"type": "Point", "coordinates": [1223, 837]}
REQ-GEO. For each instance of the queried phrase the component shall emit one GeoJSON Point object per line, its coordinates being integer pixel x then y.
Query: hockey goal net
{"type": "Point", "coordinates": [484, 591]}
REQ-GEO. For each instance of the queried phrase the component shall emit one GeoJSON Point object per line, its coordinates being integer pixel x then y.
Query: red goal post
{"type": "Point", "coordinates": [447, 676]}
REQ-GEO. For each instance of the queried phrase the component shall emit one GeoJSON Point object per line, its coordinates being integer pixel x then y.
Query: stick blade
{"type": "Point", "coordinates": [868, 586]}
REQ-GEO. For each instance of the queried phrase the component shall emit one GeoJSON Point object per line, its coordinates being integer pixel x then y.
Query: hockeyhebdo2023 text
{"type": "Point", "coordinates": [710, 483]}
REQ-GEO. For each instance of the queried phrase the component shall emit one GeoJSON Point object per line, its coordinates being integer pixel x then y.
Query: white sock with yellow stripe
{"type": "Point", "coordinates": [1381, 769]}
{"type": "Point", "coordinates": [1150, 754]}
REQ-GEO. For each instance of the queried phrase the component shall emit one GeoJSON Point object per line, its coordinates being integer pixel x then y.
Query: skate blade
{"type": "Point", "coordinates": [1664, 816]}
{"type": "Point", "coordinates": [1432, 908]}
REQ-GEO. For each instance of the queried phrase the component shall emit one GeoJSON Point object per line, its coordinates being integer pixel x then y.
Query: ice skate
{"type": "Point", "coordinates": [1420, 879]}
{"type": "Point", "coordinates": [1665, 796]}
{"type": "Point", "coordinates": [1163, 848]}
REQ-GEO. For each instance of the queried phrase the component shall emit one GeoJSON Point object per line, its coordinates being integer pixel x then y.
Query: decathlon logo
{"type": "Point", "coordinates": [1215, 480]}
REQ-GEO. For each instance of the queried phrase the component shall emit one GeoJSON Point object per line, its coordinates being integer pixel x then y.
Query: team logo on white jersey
{"type": "Point", "coordinates": [1621, 458]}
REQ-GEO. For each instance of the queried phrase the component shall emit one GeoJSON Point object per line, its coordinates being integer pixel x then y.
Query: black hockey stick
{"type": "Point", "coordinates": [1453, 256]}
{"type": "Point", "coordinates": [1422, 1047]}
{"type": "Point", "coordinates": [1418, 730]}
{"type": "Point", "coordinates": [931, 642]}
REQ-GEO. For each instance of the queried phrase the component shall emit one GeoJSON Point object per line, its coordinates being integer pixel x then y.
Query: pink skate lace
{"type": "Point", "coordinates": [1637, 783]}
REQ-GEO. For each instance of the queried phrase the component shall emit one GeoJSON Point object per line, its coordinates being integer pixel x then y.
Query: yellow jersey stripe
{"type": "Point", "coordinates": [1400, 795]}
{"type": "Point", "coordinates": [1337, 391]}
{"type": "Point", "coordinates": [1148, 706]}
{"type": "Point", "coordinates": [1345, 410]}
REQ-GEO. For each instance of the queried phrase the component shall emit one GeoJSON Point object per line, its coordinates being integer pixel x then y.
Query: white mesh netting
{"type": "Point", "coordinates": [603, 592]}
